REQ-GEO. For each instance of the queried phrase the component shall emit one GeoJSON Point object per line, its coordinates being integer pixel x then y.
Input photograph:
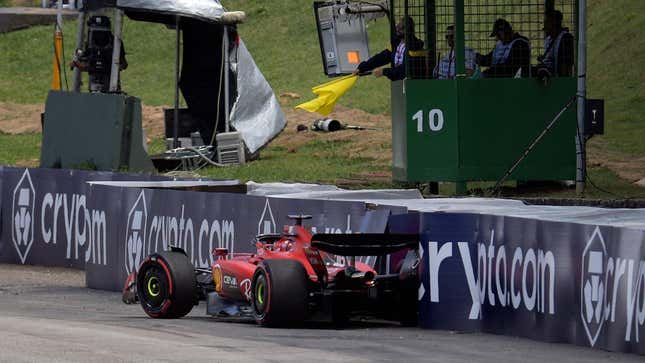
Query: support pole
{"type": "Point", "coordinates": [581, 147]}
{"type": "Point", "coordinates": [58, 49]}
{"type": "Point", "coordinates": [175, 134]}
{"type": "Point", "coordinates": [59, 15]}
{"type": "Point", "coordinates": [80, 38]}
{"type": "Point", "coordinates": [116, 53]}
{"type": "Point", "coordinates": [227, 68]}
{"type": "Point", "coordinates": [407, 40]}
{"type": "Point", "coordinates": [431, 35]}
{"type": "Point", "coordinates": [460, 52]}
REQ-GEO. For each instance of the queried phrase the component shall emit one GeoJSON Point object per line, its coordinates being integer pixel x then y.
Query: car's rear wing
{"type": "Point", "coordinates": [364, 244]}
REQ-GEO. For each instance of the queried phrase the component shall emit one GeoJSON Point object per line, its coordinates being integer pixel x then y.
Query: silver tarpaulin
{"type": "Point", "coordinates": [256, 112]}
{"type": "Point", "coordinates": [209, 10]}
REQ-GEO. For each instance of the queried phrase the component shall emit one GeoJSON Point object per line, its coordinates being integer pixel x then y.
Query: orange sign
{"type": "Point", "coordinates": [353, 57]}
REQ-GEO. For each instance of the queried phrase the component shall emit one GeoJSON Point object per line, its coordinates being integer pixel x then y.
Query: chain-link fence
{"type": "Point", "coordinates": [523, 20]}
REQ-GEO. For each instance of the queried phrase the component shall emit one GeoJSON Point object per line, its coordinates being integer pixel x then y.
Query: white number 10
{"type": "Point", "coordinates": [435, 120]}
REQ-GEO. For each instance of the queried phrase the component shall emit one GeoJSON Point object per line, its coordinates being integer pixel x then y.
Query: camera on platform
{"type": "Point", "coordinates": [96, 57]}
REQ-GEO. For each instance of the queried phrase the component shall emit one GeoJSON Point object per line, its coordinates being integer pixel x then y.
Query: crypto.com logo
{"type": "Point", "coordinates": [135, 233]}
{"type": "Point", "coordinates": [593, 292]}
{"type": "Point", "coordinates": [266, 225]}
{"type": "Point", "coordinates": [22, 211]}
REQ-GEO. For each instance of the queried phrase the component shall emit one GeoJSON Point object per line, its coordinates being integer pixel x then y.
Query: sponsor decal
{"type": "Point", "coordinates": [530, 285]}
{"type": "Point", "coordinates": [84, 230]}
{"type": "Point", "coordinates": [267, 225]}
{"type": "Point", "coordinates": [593, 292]}
{"type": "Point", "coordinates": [22, 211]}
{"type": "Point", "coordinates": [147, 234]}
{"type": "Point", "coordinates": [230, 281]}
{"type": "Point", "coordinates": [245, 286]}
{"type": "Point", "coordinates": [135, 233]}
{"type": "Point", "coordinates": [606, 279]}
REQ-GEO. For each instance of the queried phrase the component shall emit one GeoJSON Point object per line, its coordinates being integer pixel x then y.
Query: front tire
{"type": "Point", "coordinates": [279, 293]}
{"type": "Point", "coordinates": [166, 285]}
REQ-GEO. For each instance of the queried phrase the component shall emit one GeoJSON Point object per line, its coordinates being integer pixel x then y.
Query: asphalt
{"type": "Point", "coordinates": [47, 314]}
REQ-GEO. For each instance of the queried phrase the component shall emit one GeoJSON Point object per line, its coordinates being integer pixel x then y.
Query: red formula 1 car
{"type": "Point", "coordinates": [293, 277]}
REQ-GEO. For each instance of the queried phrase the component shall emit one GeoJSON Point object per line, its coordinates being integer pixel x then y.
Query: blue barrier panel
{"type": "Point", "coordinates": [141, 222]}
{"type": "Point", "coordinates": [46, 218]}
{"type": "Point", "coordinates": [549, 281]}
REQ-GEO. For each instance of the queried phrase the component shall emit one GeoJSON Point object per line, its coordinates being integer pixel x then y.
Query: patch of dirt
{"type": "Point", "coordinates": [25, 119]}
{"type": "Point", "coordinates": [373, 144]}
{"type": "Point", "coordinates": [15, 279]}
{"type": "Point", "coordinates": [631, 169]}
{"type": "Point", "coordinates": [20, 119]}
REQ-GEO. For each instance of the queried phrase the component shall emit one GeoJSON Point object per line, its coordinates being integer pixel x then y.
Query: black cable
{"type": "Point", "coordinates": [587, 177]}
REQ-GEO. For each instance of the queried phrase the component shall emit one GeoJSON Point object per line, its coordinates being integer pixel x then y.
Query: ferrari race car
{"type": "Point", "coordinates": [293, 277]}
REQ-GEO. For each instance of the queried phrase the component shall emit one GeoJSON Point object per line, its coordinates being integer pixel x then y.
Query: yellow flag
{"type": "Point", "coordinates": [328, 94]}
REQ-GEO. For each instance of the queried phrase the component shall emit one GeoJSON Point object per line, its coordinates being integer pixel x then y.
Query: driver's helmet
{"type": "Point", "coordinates": [283, 246]}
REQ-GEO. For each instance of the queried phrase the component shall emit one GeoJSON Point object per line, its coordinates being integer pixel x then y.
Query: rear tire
{"type": "Point", "coordinates": [409, 305]}
{"type": "Point", "coordinates": [279, 293]}
{"type": "Point", "coordinates": [166, 285]}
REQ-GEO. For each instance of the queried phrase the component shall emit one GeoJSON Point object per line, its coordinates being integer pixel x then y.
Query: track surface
{"type": "Point", "coordinates": [47, 315]}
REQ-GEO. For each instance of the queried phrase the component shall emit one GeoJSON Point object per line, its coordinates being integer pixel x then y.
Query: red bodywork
{"type": "Point", "coordinates": [233, 273]}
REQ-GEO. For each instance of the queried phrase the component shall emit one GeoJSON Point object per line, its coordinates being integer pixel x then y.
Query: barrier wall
{"type": "Point", "coordinates": [146, 221]}
{"type": "Point", "coordinates": [55, 218]}
{"type": "Point", "coordinates": [47, 219]}
{"type": "Point", "coordinates": [548, 281]}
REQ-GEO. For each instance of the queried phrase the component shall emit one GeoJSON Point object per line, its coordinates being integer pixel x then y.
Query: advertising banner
{"type": "Point", "coordinates": [142, 221]}
{"type": "Point", "coordinates": [46, 218]}
{"type": "Point", "coordinates": [549, 281]}
{"type": "Point", "coordinates": [55, 218]}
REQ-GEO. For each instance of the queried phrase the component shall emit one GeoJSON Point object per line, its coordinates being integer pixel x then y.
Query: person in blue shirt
{"type": "Point", "coordinates": [511, 56]}
{"type": "Point", "coordinates": [446, 67]}
{"type": "Point", "coordinates": [396, 56]}
{"type": "Point", "coordinates": [558, 57]}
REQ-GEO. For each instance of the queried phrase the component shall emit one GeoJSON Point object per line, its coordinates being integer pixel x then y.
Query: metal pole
{"type": "Point", "coordinates": [59, 15]}
{"type": "Point", "coordinates": [80, 38]}
{"type": "Point", "coordinates": [460, 51]}
{"type": "Point", "coordinates": [581, 148]}
{"type": "Point", "coordinates": [406, 39]}
{"type": "Point", "coordinates": [116, 53]}
{"type": "Point", "coordinates": [226, 80]}
{"type": "Point", "coordinates": [175, 134]}
{"type": "Point", "coordinates": [431, 35]}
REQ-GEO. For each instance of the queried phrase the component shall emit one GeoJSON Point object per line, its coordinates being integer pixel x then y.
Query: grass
{"type": "Point", "coordinates": [616, 50]}
{"type": "Point", "coordinates": [282, 37]}
{"type": "Point", "coordinates": [318, 161]}
{"type": "Point", "coordinates": [19, 149]}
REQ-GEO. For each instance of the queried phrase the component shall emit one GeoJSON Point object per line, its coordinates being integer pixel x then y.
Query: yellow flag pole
{"type": "Point", "coordinates": [58, 49]}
